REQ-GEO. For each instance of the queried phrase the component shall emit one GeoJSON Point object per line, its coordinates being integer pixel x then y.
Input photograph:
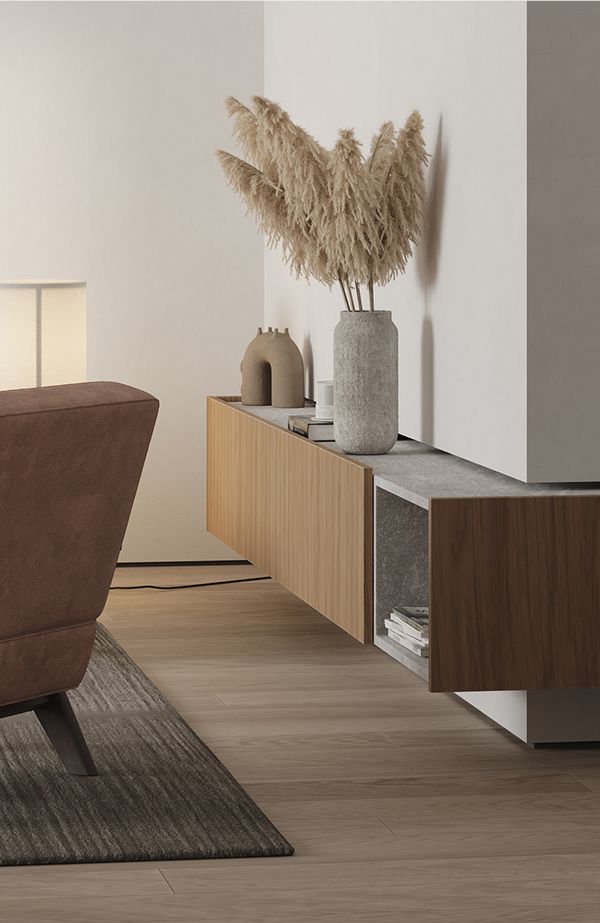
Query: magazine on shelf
{"type": "Point", "coordinates": [418, 647]}
{"type": "Point", "coordinates": [413, 620]}
{"type": "Point", "coordinates": [395, 627]}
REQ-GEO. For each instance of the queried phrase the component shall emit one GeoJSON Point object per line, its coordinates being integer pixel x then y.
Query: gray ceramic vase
{"type": "Point", "coordinates": [365, 382]}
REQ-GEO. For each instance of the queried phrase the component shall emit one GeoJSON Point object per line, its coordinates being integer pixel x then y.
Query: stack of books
{"type": "Point", "coordinates": [409, 627]}
{"type": "Point", "coordinates": [312, 427]}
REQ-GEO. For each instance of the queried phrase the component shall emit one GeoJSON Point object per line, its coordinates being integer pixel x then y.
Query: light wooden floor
{"type": "Point", "coordinates": [401, 805]}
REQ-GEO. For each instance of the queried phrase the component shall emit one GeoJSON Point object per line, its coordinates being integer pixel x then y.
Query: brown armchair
{"type": "Point", "coordinates": [71, 457]}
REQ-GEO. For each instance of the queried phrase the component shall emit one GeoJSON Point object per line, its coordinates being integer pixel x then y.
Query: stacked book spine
{"type": "Point", "coordinates": [409, 627]}
{"type": "Point", "coordinates": [314, 428]}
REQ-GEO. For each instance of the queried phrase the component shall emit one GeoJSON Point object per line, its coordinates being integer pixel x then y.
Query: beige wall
{"type": "Point", "coordinates": [110, 116]}
{"type": "Point", "coordinates": [461, 307]}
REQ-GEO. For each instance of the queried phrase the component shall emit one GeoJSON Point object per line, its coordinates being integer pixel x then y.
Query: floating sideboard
{"type": "Point", "coordinates": [510, 571]}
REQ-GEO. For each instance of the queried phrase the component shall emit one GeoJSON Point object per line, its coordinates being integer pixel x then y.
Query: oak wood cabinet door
{"type": "Point", "coordinates": [298, 511]}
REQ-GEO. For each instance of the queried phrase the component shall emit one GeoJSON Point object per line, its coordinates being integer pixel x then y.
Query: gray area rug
{"type": "Point", "coordinates": [160, 793]}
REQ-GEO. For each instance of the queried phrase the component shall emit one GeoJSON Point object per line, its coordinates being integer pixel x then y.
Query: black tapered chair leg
{"type": "Point", "coordinates": [60, 724]}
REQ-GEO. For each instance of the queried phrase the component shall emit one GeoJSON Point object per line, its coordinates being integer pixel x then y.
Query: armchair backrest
{"type": "Point", "coordinates": [71, 457]}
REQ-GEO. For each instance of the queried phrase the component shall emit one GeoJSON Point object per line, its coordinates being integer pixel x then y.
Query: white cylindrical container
{"type": "Point", "coordinates": [324, 408]}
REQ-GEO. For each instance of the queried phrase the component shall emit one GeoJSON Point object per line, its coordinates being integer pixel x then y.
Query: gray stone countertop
{"type": "Point", "coordinates": [418, 472]}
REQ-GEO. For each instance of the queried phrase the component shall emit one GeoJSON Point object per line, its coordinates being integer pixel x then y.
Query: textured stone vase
{"type": "Point", "coordinates": [365, 382]}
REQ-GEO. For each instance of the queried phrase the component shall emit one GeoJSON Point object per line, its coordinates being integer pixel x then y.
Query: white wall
{"type": "Point", "coordinates": [110, 114]}
{"type": "Point", "coordinates": [461, 308]}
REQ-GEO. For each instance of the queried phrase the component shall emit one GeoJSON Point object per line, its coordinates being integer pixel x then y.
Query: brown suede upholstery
{"type": "Point", "coordinates": [71, 457]}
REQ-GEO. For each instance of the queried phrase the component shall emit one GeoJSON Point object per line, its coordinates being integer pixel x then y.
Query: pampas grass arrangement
{"type": "Point", "coordinates": [338, 217]}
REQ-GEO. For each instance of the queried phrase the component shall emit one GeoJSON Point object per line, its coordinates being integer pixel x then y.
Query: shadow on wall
{"type": "Point", "coordinates": [427, 257]}
{"type": "Point", "coordinates": [307, 355]}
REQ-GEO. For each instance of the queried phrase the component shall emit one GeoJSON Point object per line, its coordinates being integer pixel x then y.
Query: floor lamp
{"type": "Point", "coordinates": [42, 333]}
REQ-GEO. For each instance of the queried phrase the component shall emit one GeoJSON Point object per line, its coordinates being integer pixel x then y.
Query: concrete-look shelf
{"type": "Point", "coordinates": [418, 665]}
{"type": "Point", "coordinates": [401, 557]}
{"type": "Point", "coordinates": [418, 472]}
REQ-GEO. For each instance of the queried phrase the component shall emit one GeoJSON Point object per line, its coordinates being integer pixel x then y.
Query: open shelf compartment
{"type": "Point", "coordinates": [401, 532]}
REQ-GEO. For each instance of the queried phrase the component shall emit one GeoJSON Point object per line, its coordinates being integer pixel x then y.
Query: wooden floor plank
{"type": "Point", "coordinates": [562, 874]}
{"type": "Point", "coordinates": [451, 902]}
{"type": "Point", "coordinates": [51, 881]}
{"type": "Point", "coordinates": [446, 784]}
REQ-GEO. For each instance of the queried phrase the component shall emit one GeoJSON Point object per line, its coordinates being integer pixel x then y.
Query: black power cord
{"type": "Point", "coordinates": [188, 586]}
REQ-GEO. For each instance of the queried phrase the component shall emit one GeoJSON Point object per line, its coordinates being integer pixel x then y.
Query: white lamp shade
{"type": "Point", "coordinates": [18, 348]}
{"type": "Point", "coordinates": [42, 333]}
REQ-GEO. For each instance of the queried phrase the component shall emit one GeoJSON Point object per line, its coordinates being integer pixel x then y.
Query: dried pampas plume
{"type": "Point", "coordinates": [338, 217]}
